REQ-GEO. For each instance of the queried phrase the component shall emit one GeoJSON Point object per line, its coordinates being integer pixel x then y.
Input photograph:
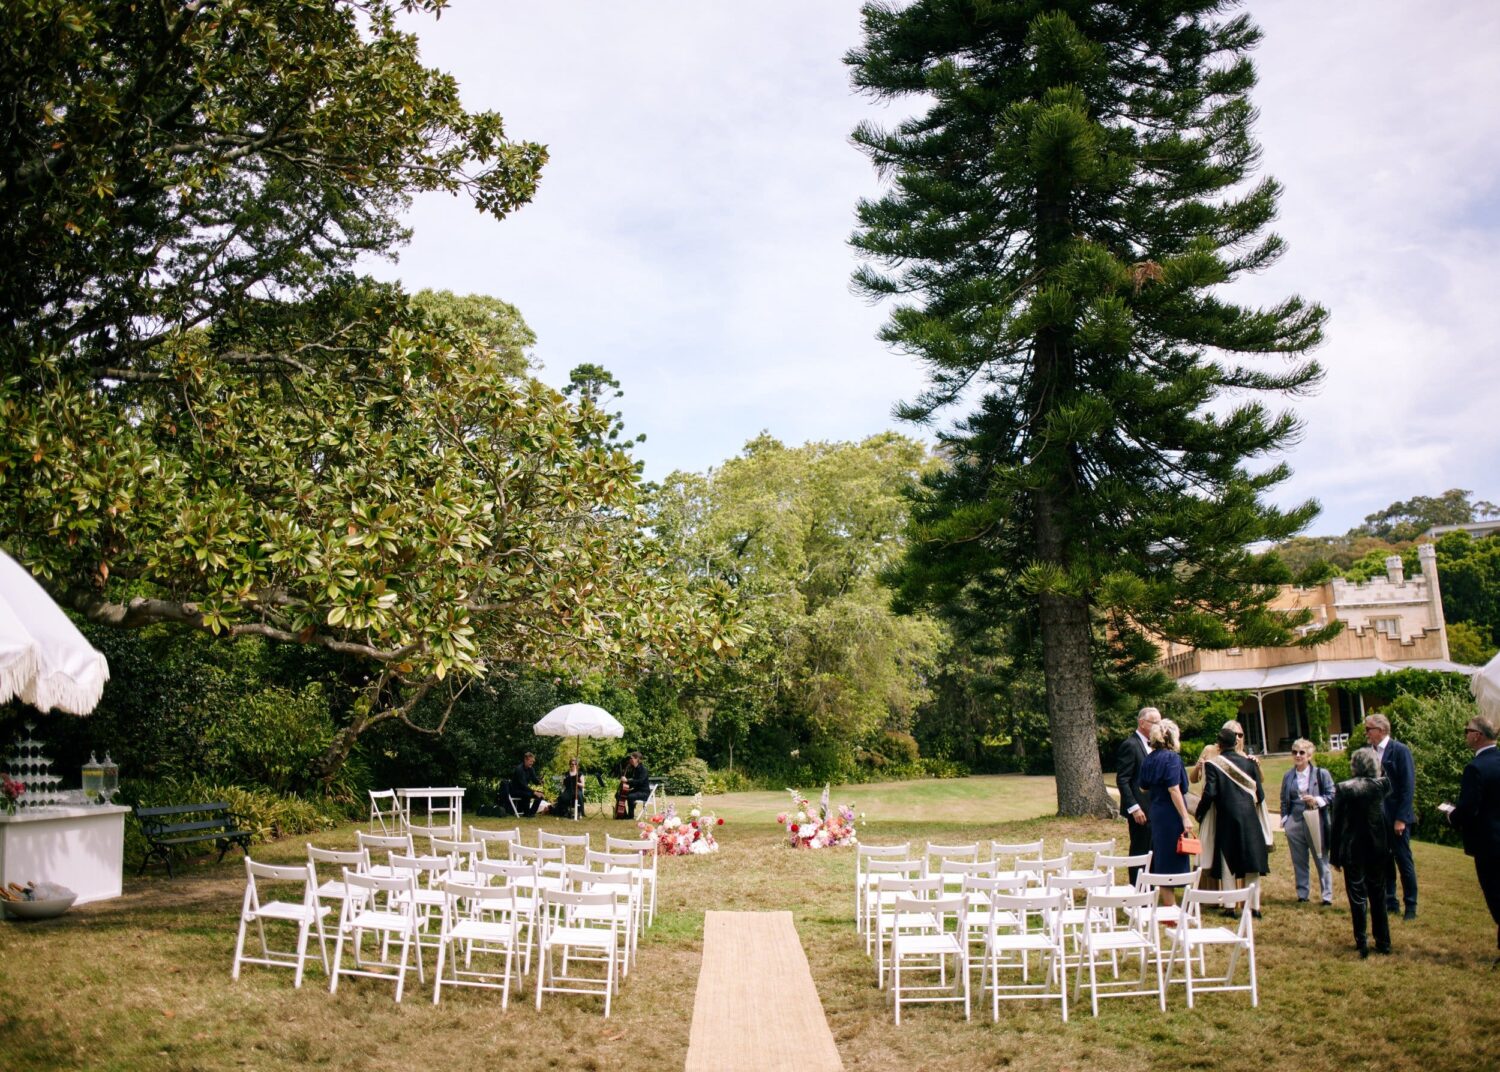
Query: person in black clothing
{"type": "Point", "coordinates": [1477, 814]}
{"type": "Point", "coordinates": [524, 798]}
{"type": "Point", "coordinates": [1362, 846]}
{"type": "Point", "coordinates": [1134, 800]}
{"type": "Point", "coordinates": [635, 786]}
{"type": "Point", "coordinates": [571, 796]}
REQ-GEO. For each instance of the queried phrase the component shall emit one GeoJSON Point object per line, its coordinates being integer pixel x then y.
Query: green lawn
{"type": "Point", "coordinates": [143, 981]}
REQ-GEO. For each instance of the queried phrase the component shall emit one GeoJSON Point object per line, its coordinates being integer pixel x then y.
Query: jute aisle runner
{"type": "Point", "coordinates": [756, 1009]}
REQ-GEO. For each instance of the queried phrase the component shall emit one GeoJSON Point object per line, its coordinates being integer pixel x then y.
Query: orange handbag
{"type": "Point", "coordinates": [1188, 846]}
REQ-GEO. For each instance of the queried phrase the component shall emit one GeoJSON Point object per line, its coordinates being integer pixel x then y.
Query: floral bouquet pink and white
{"type": "Point", "coordinates": [820, 826]}
{"type": "Point", "coordinates": [10, 793]}
{"type": "Point", "coordinates": [678, 836]}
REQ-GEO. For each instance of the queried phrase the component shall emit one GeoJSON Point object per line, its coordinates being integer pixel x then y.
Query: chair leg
{"type": "Point", "coordinates": [437, 975]}
{"type": "Point", "coordinates": [338, 960]}
{"type": "Point", "coordinates": [239, 949]}
{"type": "Point", "coordinates": [302, 929]}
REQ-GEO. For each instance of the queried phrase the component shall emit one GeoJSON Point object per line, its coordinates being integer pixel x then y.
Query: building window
{"type": "Point", "coordinates": [1390, 627]}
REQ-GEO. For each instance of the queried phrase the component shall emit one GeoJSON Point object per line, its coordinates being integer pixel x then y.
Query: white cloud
{"type": "Point", "coordinates": [690, 229]}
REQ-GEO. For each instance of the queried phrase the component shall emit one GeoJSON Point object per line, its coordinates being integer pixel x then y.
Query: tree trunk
{"type": "Point", "coordinates": [327, 766]}
{"type": "Point", "coordinates": [1067, 635]}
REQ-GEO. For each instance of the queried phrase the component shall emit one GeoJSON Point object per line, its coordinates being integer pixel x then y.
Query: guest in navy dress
{"type": "Point", "coordinates": [1166, 778]}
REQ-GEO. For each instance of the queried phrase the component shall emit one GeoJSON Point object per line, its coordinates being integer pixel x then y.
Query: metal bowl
{"type": "Point", "coordinates": [48, 909]}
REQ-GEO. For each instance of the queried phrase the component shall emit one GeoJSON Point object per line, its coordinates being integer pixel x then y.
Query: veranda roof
{"type": "Point", "coordinates": [1319, 672]}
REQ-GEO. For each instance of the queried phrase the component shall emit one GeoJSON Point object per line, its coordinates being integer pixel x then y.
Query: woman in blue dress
{"type": "Point", "coordinates": [1165, 778]}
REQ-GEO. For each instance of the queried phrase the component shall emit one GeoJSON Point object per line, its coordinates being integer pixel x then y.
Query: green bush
{"type": "Point", "coordinates": [688, 778]}
{"type": "Point", "coordinates": [899, 748]}
{"type": "Point", "coordinates": [943, 768]}
{"type": "Point", "coordinates": [729, 781]}
{"type": "Point", "coordinates": [1191, 750]}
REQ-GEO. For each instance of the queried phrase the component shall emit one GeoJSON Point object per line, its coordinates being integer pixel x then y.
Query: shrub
{"type": "Point", "coordinates": [899, 748]}
{"type": "Point", "coordinates": [729, 781]}
{"type": "Point", "coordinates": [688, 778]}
{"type": "Point", "coordinates": [943, 768]}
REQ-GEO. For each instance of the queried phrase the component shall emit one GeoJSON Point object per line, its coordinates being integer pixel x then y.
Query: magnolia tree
{"type": "Point", "coordinates": [206, 420]}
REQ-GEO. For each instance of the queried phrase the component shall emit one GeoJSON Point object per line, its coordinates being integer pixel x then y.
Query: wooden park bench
{"type": "Point", "coordinates": [186, 824]}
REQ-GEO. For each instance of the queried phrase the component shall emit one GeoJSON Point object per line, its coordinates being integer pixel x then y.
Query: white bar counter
{"type": "Point", "coordinates": [82, 848]}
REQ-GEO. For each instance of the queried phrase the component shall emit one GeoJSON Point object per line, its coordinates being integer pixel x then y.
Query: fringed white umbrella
{"type": "Point", "coordinates": [1485, 685]}
{"type": "Point", "coordinates": [578, 720]}
{"type": "Point", "coordinates": [44, 659]}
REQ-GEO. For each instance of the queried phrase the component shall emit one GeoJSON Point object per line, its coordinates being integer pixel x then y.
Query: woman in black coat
{"type": "Point", "coordinates": [1233, 789]}
{"type": "Point", "coordinates": [1361, 846]}
{"type": "Point", "coordinates": [572, 793]}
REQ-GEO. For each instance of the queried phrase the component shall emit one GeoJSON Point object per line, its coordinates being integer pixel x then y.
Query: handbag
{"type": "Point", "coordinates": [1188, 846]}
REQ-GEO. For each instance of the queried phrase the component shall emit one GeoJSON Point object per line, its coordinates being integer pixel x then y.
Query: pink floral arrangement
{"type": "Point", "coordinates": [676, 836]}
{"type": "Point", "coordinates": [10, 792]}
{"type": "Point", "coordinates": [818, 827]}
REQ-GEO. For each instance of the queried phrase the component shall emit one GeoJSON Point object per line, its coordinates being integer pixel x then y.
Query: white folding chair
{"type": "Point", "coordinates": [462, 856]}
{"type": "Point", "coordinates": [1118, 868]}
{"type": "Point", "coordinates": [385, 812]}
{"type": "Point", "coordinates": [886, 921]}
{"type": "Point", "coordinates": [863, 855]}
{"type": "Point", "coordinates": [935, 855]}
{"type": "Point", "coordinates": [549, 862]}
{"type": "Point", "coordinates": [495, 842]}
{"type": "Point", "coordinates": [955, 875]}
{"type": "Point", "coordinates": [521, 879]}
{"type": "Point", "coordinates": [1167, 916]}
{"type": "Point", "coordinates": [647, 850]}
{"type": "Point", "coordinates": [1070, 921]}
{"type": "Point", "coordinates": [380, 846]}
{"type": "Point", "coordinates": [486, 920]}
{"type": "Point", "coordinates": [1120, 924]}
{"type": "Point", "coordinates": [1083, 855]}
{"type": "Point", "coordinates": [429, 834]}
{"type": "Point", "coordinates": [1006, 854]}
{"type": "Point", "coordinates": [428, 875]}
{"type": "Point", "coordinates": [333, 889]}
{"type": "Point", "coordinates": [635, 865]}
{"type": "Point", "coordinates": [877, 870]}
{"type": "Point", "coordinates": [1021, 925]}
{"type": "Point", "coordinates": [579, 938]}
{"type": "Point", "coordinates": [306, 913]}
{"type": "Point", "coordinates": [923, 942]}
{"type": "Point", "coordinates": [626, 886]}
{"type": "Point", "coordinates": [581, 842]}
{"type": "Point", "coordinates": [1191, 937]}
{"type": "Point", "coordinates": [363, 914]}
{"type": "Point", "coordinates": [1037, 872]}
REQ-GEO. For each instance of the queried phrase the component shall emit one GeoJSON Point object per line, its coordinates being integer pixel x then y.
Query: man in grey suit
{"type": "Point", "coordinates": [1133, 799]}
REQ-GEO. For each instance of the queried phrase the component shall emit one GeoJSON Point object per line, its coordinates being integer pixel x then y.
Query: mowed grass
{"type": "Point", "coordinates": [143, 982]}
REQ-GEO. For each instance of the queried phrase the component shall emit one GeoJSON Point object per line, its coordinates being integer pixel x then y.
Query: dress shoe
{"type": "Point", "coordinates": [1302, 900]}
{"type": "Point", "coordinates": [1364, 952]}
{"type": "Point", "coordinates": [1255, 913]}
{"type": "Point", "coordinates": [1327, 904]}
{"type": "Point", "coordinates": [1410, 913]}
{"type": "Point", "coordinates": [1383, 950]}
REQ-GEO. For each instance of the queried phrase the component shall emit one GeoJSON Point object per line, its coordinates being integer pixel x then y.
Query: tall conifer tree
{"type": "Point", "coordinates": [1060, 225]}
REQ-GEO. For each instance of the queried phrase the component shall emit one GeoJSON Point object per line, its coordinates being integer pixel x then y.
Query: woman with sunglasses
{"type": "Point", "coordinates": [1306, 792]}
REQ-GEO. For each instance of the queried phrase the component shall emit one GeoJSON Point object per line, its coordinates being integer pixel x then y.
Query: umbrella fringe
{"type": "Point", "coordinates": [63, 692]}
{"type": "Point", "coordinates": [16, 674]}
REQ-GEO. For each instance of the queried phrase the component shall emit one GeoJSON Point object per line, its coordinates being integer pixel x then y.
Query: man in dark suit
{"type": "Point", "coordinates": [1397, 766]}
{"type": "Point", "coordinates": [523, 793]}
{"type": "Point", "coordinates": [1477, 813]}
{"type": "Point", "coordinates": [1133, 799]}
{"type": "Point", "coordinates": [635, 785]}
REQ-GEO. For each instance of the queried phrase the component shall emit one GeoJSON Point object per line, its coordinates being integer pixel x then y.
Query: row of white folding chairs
{"type": "Point", "coordinates": [507, 845]}
{"type": "Point", "coordinates": [926, 927]}
{"type": "Point", "coordinates": [1006, 857]}
{"type": "Point", "coordinates": [592, 913]}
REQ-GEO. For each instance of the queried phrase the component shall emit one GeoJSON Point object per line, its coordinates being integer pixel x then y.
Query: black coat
{"type": "Point", "coordinates": [1128, 762]}
{"type": "Point", "coordinates": [1239, 839]}
{"type": "Point", "coordinates": [1361, 835]}
{"type": "Point", "coordinates": [637, 778]}
{"type": "Point", "coordinates": [1477, 813]}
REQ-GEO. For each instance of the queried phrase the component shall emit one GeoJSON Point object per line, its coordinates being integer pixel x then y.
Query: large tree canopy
{"type": "Point", "coordinates": [205, 419]}
{"type": "Point", "coordinates": [1063, 217]}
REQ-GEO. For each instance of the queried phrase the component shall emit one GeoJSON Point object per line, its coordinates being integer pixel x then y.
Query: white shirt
{"type": "Point", "coordinates": [1303, 782]}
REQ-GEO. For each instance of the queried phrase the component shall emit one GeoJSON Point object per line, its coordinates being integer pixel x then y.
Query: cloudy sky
{"type": "Point", "coordinates": [690, 231]}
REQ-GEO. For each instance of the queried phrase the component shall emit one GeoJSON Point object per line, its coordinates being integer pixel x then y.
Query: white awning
{"type": "Point", "coordinates": [1318, 672]}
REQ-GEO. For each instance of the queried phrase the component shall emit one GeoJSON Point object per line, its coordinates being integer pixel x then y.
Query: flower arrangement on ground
{"type": "Point", "coordinates": [818, 827]}
{"type": "Point", "coordinates": [678, 836]}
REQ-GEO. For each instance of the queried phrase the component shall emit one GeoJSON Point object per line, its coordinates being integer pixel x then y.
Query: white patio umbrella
{"type": "Point", "coordinates": [44, 659]}
{"type": "Point", "coordinates": [1485, 685]}
{"type": "Point", "coordinates": [578, 720]}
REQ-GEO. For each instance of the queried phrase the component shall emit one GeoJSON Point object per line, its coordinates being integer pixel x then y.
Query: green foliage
{"type": "Point", "coordinates": [1469, 572]}
{"type": "Point", "coordinates": [1409, 519]}
{"type": "Point", "coordinates": [1067, 207]}
{"type": "Point", "coordinates": [1319, 715]}
{"type": "Point", "coordinates": [1432, 727]}
{"type": "Point", "coordinates": [1470, 644]}
{"type": "Point", "coordinates": [688, 778]}
{"type": "Point", "coordinates": [800, 535]}
{"type": "Point", "coordinates": [898, 747]}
